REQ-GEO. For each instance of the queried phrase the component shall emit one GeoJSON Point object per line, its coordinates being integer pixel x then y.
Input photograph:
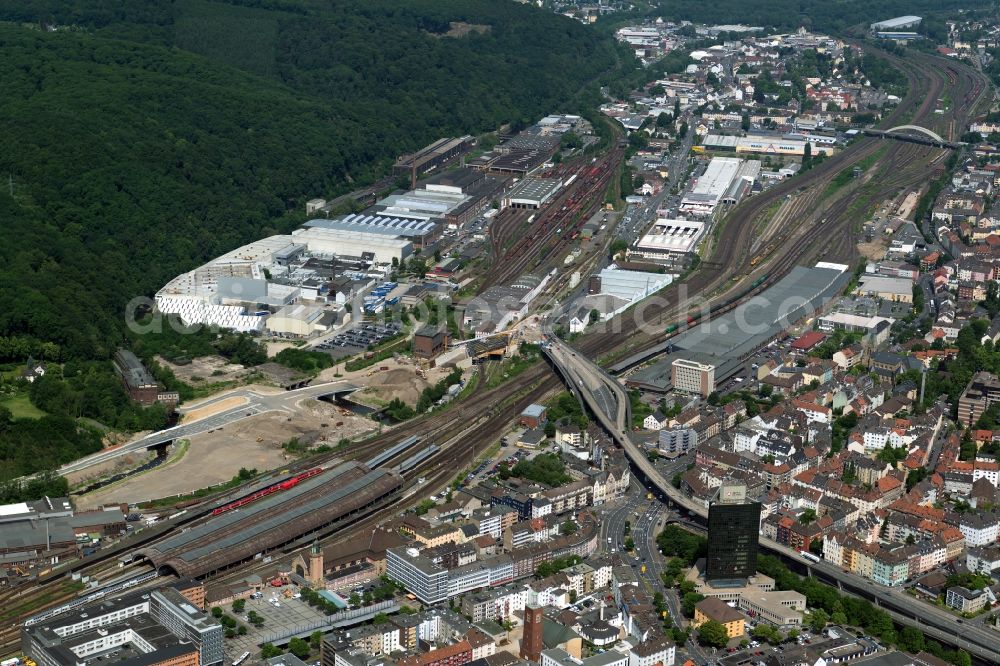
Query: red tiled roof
{"type": "Point", "coordinates": [808, 340]}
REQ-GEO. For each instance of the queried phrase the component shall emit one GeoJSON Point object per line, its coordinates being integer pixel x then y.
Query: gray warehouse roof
{"type": "Point", "coordinates": [742, 331]}
{"type": "Point", "coordinates": [377, 224]}
{"type": "Point", "coordinates": [727, 340]}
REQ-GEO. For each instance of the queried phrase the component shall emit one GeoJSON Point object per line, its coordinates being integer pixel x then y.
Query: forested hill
{"type": "Point", "coordinates": [144, 138]}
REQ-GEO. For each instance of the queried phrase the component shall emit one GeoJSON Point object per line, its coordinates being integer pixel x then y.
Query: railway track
{"type": "Point", "coordinates": [552, 231]}
{"type": "Point", "coordinates": [927, 78]}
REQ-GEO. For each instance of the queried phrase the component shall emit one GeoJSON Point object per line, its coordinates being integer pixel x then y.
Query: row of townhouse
{"type": "Point", "coordinates": [501, 602]}
{"type": "Point", "coordinates": [593, 488]}
{"type": "Point", "coordinates": [867, 499]}
{"type": "Point", "coordinates": [885, 564]}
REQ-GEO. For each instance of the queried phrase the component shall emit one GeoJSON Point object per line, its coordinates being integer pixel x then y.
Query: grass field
{"type": "Point", "coordinates": [21, 408]}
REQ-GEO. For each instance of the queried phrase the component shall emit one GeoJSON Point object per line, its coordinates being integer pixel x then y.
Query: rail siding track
{"type": "Point", "coordinates": [927, 77]}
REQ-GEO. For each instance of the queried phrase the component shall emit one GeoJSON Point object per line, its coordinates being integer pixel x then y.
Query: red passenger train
{"type": "Point", "coordinates": [287, 484]}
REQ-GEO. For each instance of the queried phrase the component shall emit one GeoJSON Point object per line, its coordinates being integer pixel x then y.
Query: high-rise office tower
{"type": "Point", "coordinates": [733, 533]}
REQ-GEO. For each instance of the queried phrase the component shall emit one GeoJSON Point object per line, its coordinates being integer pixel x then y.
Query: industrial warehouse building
{"type": "Point", "coordinates": [669, 238]}
{"type": "Point", "coordinates": [422, 204]}
{"type": "Point", "coordinates": [435, 155]}
{"type": "Point", "coordinates": [896, 24]}
{"type": "Point", "coordinates": [724, 181]}
{"type": "Point", "coordinates": [727, 341]}
{"type": "Point", "coordinates": [532, 193]}
{"type": "Point", "coordinates": [44, 532]}
{"type": "Point", "coordinates": [300, 320]}
{"type": "Point", "coordinates": [354, 244]}
{"type": "Point", "coordinates": [631, 285]}
{"type": "Point", "coordinates": [418, 230]}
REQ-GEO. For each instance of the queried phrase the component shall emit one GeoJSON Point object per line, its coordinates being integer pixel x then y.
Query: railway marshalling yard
{"type": "Point", "coordinates": [822, 227]}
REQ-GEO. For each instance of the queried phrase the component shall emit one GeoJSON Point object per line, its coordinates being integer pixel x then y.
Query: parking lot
{"type": "Point", "coordinates": [289, 614]}
{"type": "Point", "coordinates": [358, 339]}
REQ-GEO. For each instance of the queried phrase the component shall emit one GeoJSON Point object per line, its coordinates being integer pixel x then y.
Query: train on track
{"type": "Point", "coordinates": [278, 487]}
{"type": "Point", "coordinates": [719, 307]}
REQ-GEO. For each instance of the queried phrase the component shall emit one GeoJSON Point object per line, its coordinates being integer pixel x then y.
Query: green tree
{"type": "Point", "coordinates": [299, 648]}
{"type": "Point", "coordinates": [239, 605]}
{"type": "Point", "coordinates": [818, 619]}
{"type": "Point", "coordinates": [713, 633]}
{"type": "Point", "coordinates": [268, 650]}
{"type": "Point", "coordinates": [689, 601]}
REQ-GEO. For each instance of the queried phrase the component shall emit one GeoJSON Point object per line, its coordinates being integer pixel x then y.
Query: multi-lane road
{"type": "Point", "coordinates": [645, 520]}
{"type": "Point", "coordinates": [232, 406]}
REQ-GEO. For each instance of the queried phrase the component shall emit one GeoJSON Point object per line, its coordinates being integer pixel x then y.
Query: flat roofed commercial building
{"type": "Point", "coordinates": [690, 376]}
{"type": "Point", "coordinates": [775, 145]}
{"type": "Point", "coordinates": [766, 144]}
{"type": "Point", "coordinates": [145, 628]}
{"type": "Point", "coordinates": [418, 574]}
{"type": "Point", "coordinates": [669, 237]}
{"type": "Point", "coordinates": [899, 290]}
{"type": "Point", "coordinates": [532, 192]}
{"type": "Point", "coordinates": [782, 608]}
{"type": "Point", "coordinates": [898, 23]}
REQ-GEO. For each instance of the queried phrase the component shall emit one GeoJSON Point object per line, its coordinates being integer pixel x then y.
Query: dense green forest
{"type": "Point", "coordinates": [138, 149]}
{"type": "Point", "coordinates": [139, 139]}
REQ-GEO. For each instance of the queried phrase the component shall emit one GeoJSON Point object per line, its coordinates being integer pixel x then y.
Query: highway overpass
{"type": "Point", "coordinates": [608, 401]}
{"type": "Point", "coordinates": [250, 403]}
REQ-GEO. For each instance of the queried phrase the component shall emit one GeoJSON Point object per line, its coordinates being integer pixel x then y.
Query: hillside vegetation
{"type": "Point", "coordinates": [138, 140]}
{"type": "Point", "coordinates": [145, 139]}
